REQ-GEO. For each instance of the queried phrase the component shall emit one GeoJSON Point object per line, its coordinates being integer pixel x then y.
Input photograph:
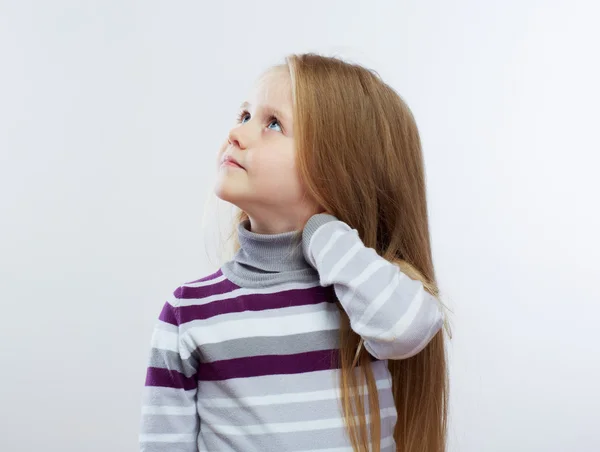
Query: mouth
{"type": "Point", "coordinates": [228, 161]}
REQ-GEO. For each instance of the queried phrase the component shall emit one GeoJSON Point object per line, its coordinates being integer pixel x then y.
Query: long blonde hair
{"type": "Point", "coordinates": [359, 155]}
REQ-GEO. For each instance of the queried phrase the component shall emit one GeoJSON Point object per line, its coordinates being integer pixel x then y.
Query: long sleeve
{"type": "Point", "coordinates": [169, 420]}
{"type": "Point", "coordinates": [395, 315]}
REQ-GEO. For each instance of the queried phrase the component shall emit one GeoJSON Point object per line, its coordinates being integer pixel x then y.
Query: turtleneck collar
{"type": "Point", "coordinates": [270, 252]}
{"type": "Point", "coordinates": [265, 259]}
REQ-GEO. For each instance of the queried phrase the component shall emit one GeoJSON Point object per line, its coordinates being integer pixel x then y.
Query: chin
{"type": "Point", "coordinates": [227, 193]}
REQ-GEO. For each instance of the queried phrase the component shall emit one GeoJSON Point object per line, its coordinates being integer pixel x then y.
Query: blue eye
{"type": "Point", "coordinates": [243, 115]}
{"type": "Point", "coordinates": [274, 120]}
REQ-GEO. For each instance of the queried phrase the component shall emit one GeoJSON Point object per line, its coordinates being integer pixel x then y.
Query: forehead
{"type": "Point", "coordinates": [273, 88]}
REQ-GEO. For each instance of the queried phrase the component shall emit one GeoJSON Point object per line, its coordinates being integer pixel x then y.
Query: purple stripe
{"type": "Point", "coordinates": [252, 302]}
{"type": "Point", "coordinates": [217, 288]}
{"type": "Point", "coordinates": [169, 314]}
{"type": "Point", "coordinates": [156, 376]}
{"type": "Point", "coordinates": [255, 366]}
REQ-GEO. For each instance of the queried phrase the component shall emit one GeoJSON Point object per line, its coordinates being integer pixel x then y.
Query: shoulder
{"type": "Point", "coordinates": [195, 300]}
{"type": "Point", "coordinates": [315, 222]}
{"type": "Point", "coordinates": [189, 292]}
{"type": "Point", "coordinates": [322, 226]}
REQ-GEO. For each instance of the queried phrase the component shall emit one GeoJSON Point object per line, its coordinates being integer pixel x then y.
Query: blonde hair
{"type": "Point", "coordinates": [359, 155]}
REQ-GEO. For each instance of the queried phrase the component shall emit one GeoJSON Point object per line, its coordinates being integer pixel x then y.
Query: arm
{"type": "Point", "coordinates": [395, 315]}
{"type": "Point", "coordinates": [169, 418]}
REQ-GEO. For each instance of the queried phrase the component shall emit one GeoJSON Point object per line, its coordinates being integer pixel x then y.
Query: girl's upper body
{"type": "Point", "coordinates": [246, 358]}
{"type": "Point", "coordinates": [258, 355]}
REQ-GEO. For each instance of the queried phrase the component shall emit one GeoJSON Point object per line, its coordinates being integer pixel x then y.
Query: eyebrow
{"type": "Point", "coordinates": [271, 109]}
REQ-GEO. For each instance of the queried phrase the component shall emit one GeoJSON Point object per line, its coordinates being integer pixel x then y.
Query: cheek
{"type": "Point", "coordinates": [277, 159]}
{"type": "Point", "coordinates": [274, 165]}
{"type": "Point", "coordinates": [280, 176]}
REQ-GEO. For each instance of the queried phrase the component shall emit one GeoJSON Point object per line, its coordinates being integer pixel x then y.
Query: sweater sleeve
{"type": "Point", "coordinates": [169, 420]}
{"type": "Point", "coordinates": [395, 315]}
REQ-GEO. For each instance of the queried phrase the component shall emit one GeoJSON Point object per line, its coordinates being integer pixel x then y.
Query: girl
{"type": "Point", "coordinates": [324, 332]}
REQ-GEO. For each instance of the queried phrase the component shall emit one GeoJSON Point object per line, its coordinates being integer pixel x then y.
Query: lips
{"type": "Point", "coordinates": [231, 160]}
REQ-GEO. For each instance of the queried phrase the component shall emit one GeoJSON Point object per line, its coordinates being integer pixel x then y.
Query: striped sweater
{"type": "Point", "coordinates": [246, 359]}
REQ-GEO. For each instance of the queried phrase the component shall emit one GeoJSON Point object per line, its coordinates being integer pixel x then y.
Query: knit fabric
{"type": "Point", "coordinates": [246, 359]}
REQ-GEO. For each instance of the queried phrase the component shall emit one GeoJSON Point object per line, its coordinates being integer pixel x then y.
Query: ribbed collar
{"type": "Point", "coordinates": [266, 259]}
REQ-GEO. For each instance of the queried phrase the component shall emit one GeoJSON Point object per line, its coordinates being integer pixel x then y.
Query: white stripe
{"type": "Point", "coordinates": [257, 327]}
{"type": "Point", "coordinates": [343, 261]}
{"type": "Point", "coordinates": [334, 238]}
{"type": "Point", "coordinates": [168, 438]}
{"type": "Point", "coordinates": [402, 325]}
{"type": "Point", "coordinates": [280, 399]}
{"type": "Point", "coordinates": [165, 340]}
{"type": "Point", "coordinates": [379, 301]}
{"type": "Point", "coordinates": [421, 345]}
{"type": "Point", "coordinates": [205, 283]}
{"type": "Point", "coordinates": [366, 274]}
{"type": "Point", "coordinates": [331, 449]}
{"type": "Point", "coordinates": [409, 316]}
{"type": "Point", "coordinates": [166, 326]}
{"type": "Point", "coordinates": [385, 442]}
{"type": "Point", "coordinates": [286, 427]}
{"type": "Point", "coordinates": [285, 311]}
{"type": "Point", "coordinates": [164, 410]}
{"type": "Point", "coordinates": [252, 291]}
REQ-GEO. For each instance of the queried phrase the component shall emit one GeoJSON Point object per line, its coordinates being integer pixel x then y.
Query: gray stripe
{"type": "Point", "coordinates": [412, 339]}
{"type": "Point", "coordinates": [398, 302]}
{"type": "Point", "coordinates": [278, 345]}
{"type": "Point", "coordinates": [287, 441]}
{"type": "Point", "coordinates": [167, 359]}
{"type": "Point", "coordinates": [157, 423]}
{"type": "Point", "coordinates": [311, 410]}
{"type": "Point", "coordinates": [157, 396]}
{"type": "Point", "coordinates": [171, 447]}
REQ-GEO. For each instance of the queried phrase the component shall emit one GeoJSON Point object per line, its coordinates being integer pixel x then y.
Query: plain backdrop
{"type": "Point", "coordinates": [111, 114]}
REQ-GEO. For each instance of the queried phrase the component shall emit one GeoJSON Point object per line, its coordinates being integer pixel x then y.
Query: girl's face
{"type": "Point", "coordinates": [267, 185]}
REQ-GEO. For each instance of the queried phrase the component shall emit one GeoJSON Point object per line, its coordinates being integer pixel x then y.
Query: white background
{"type": "Point", "coordinates": [111, 113]}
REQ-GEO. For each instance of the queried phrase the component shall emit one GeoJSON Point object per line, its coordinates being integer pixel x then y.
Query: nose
{"type": "Point", "coordinates": [242, 135]}
{"type": "Point", "coordinates": [234, 137]}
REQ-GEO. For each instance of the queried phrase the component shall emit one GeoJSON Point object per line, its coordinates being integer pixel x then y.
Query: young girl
{"type": "Point", "coordinates": [324, 332]}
